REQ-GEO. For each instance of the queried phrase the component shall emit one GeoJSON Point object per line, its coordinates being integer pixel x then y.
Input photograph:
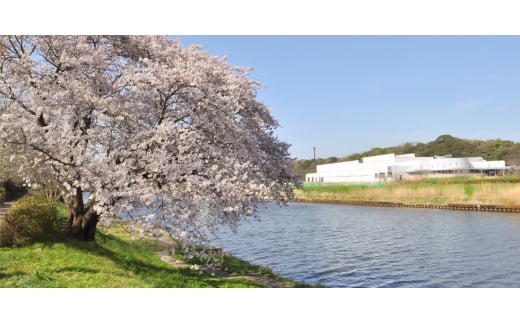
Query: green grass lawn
{"type": "Point", "coordinates": [113, 260]}
{"type": "Point", "coordinates": [108, 262]}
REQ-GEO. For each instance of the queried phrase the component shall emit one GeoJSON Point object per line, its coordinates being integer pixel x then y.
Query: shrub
{"type": "Point", "coordinates": [30, 219]}
{"type": "Point", "coordinates": [2, 195]}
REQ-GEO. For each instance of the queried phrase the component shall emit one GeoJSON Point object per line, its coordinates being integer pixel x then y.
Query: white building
{"type": "Point", "coordinates": [390, 166]}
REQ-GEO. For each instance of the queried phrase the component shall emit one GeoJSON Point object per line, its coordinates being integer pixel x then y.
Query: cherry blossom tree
{"type": "Point", "coordinates": [9, 162]}
{"type": "Point", "coordinates": [167, 134]}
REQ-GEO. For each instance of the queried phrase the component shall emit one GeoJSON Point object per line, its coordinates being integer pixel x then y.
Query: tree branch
{"type": "Point", "coordinates": [50, 156]}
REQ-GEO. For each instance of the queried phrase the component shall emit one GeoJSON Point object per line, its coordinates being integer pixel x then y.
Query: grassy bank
{"type": "Point", "coordinates": [459, 190]}
{"type": "Point", "coordinates": [114, 260]}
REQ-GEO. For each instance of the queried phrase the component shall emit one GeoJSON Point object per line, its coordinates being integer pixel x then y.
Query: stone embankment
{"type": "Point", "coordinates": [455, 207]}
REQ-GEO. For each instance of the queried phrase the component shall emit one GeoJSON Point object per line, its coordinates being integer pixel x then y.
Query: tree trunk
{"type": "Point", "coordinates": [82, 221]}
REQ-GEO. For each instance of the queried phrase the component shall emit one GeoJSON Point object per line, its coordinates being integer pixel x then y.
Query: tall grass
{"type": "Point", "coordinates": [436, 192]}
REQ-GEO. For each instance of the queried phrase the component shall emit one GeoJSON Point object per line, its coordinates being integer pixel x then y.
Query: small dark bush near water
{"type": "Point", "coordinates": [32, 218]}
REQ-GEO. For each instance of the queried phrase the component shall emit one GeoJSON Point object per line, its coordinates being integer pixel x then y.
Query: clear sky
{"type": "Point", "coordinates": [340, 94]}
{"type": "Point", "coordinates": [347, 94]}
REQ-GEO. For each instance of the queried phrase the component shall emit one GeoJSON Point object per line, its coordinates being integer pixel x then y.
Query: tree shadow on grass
{"type": "Point", "coordinates": [8, 275]}
{"type": "Point", "coordinates": [137, 260]}
{"type": "Point", "coordinates": [129, 263]}
{"type": "Point", "coordinates": [77, 269]}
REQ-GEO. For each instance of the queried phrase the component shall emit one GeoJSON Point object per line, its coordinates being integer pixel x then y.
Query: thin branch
{"type": "Point", "coordinates": [50, 156]}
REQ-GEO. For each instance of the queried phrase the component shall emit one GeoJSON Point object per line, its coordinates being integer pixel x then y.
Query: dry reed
{"type": "Point", "coordinates": [424, 193]}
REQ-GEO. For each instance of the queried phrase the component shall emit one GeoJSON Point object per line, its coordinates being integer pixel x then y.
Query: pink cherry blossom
{"type": "Point", "coordinates": [145, 126]}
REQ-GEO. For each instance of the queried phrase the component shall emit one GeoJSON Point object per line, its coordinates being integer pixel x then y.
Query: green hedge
{"type": "Point", "coordinates": [30, 219]}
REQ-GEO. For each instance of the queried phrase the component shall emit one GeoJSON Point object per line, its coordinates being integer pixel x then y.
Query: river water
{"type": "Point", "coordinates": [351, 246]}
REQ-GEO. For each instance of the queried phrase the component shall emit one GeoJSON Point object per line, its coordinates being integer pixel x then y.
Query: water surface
{"type": "Point", "coordinates": [353, 246]}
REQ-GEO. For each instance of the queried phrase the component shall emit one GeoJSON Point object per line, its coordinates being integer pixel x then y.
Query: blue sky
{"type": "Point", "coordinates": [347, 94]}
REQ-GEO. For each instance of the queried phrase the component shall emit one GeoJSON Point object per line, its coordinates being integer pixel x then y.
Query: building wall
{"type": "Point", "coordinates": [354, 171]}
{"type": "Point", "coordinates": [385, 167]}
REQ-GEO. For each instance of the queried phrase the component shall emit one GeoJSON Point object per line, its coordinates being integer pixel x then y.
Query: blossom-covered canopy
{"type": "Point", "coordinates": [142, 123]}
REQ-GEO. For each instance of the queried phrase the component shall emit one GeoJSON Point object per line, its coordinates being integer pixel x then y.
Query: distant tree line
{"type": "Point", "coordinates": [495, 149]}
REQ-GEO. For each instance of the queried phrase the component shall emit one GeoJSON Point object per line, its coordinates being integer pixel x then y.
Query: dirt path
{"type": "Point", "coordinates": [269, 282]}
